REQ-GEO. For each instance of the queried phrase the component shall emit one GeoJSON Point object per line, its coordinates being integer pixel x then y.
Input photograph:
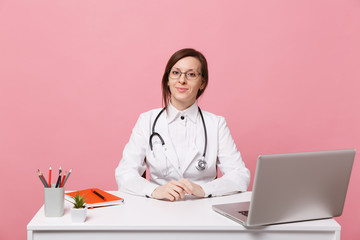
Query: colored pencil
{"type": "Point", "coordinates": [42, 176]}
{"type": "Point", "coordinates": [63, 179]}
{"type": "Point", "coordinates": [42, 180]}
{"type": "Point", "coordinates": [50, 171]}
{"type": "Point", "coordinates": [67, 176]}
{"type": "Point", "coordinates": [58, 181]}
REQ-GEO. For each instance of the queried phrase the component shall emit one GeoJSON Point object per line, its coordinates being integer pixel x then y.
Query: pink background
{"type": "Point", "coordinates": [75, 75]}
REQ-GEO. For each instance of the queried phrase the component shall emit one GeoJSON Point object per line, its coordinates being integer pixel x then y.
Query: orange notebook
{"type": "Point", "coordinates": [92, 199]}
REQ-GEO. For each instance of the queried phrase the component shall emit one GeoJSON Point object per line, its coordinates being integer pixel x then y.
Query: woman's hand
{"type": "Point", "coordinates": [175, 190]}
{"type": "Point", "coordinates": [192, 188]}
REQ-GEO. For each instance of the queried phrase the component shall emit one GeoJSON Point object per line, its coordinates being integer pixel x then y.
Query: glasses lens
{"type": "Point", "coordinates": [192, 75]}
{"type": "Point", "coordinates": [174, 74]}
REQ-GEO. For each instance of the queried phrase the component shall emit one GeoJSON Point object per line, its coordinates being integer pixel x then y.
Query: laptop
{"type": "Point", "coordinates": [295, 187]}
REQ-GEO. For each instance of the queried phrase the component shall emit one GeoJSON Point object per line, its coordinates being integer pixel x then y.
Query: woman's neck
{"type": "Point", "coordinates": [181, 106]}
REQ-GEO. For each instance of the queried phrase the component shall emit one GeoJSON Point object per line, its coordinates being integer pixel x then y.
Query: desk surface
{"type": "Point", "coordinates": [139, 213]}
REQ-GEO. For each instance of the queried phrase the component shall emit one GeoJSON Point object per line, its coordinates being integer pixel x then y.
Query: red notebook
{"type": "Point", "coordinates": [95, 197]}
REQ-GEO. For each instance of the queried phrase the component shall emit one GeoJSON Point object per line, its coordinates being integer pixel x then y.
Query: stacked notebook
{"type": "Point", "coordinates": [95, 197]}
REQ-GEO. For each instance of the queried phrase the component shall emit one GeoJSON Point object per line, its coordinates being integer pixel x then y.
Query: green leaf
{"type": "Point", "coordinates": [79, 201]}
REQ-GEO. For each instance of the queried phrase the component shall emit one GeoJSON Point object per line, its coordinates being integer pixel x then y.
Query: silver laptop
{"type": "Point", "coordinates": [295, 187]}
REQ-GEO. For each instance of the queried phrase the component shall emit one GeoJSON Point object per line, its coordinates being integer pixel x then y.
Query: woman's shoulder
{"type": "Point", "coordinates": [212, 116]}
{"type": "Point", "coordinates": [146, 119]}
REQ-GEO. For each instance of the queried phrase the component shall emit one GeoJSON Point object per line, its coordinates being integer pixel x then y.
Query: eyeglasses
{"type": "Point", "coordinates": [189, 75]}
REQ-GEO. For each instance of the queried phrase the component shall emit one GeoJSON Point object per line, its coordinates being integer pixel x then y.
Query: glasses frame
{"type": "Point", "coordinates": [181, 73]}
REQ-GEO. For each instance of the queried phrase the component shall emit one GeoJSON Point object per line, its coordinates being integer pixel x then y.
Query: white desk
{"type": "Point", "coordinates": [143, 218]}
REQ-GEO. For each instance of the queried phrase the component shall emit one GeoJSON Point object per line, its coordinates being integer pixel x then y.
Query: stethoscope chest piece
{"type": "Point", "coordinates": [201, 165]}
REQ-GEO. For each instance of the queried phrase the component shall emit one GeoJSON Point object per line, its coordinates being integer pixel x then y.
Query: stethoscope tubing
{"type": "Point", "coordinates": [203, 121]}
{"type": "Point", "coordinates": [153, 133]}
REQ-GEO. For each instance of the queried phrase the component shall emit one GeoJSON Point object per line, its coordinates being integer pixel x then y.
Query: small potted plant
{"type": "Point", "coordinates": [78, 212]}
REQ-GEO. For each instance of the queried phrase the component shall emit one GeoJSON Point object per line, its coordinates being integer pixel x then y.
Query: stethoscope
{"type": "Point", "coordinates": [201, 163]}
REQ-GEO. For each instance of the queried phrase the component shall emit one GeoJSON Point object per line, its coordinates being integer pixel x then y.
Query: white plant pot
{"type": "Point", "coordinates": [78, 214]}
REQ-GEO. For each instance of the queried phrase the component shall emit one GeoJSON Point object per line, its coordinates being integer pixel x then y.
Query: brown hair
{"type": "Point", "coordinates": [186, 52]}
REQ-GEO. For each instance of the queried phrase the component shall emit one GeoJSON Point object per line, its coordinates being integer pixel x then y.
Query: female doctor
{"type": "Point", "coordinates": [181, 145]}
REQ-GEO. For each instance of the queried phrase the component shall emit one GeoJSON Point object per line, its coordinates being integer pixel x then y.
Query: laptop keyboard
{"type": "Point", "coordinates": [245, 213]}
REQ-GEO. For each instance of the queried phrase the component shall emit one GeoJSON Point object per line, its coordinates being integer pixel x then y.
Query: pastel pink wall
{"type": "Point", "coordinates": [75, 75]}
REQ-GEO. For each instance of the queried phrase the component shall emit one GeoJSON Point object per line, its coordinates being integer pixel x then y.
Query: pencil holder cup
{"type": "Point", "coordinates": [54, 202]}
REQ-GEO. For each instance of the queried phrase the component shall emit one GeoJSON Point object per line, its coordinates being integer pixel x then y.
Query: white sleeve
{"type": "Point", "coordinates": [132, 165]}
{"type": "Point", "coordinates": [236, 177]}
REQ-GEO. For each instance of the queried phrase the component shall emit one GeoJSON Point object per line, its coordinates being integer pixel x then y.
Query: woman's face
{"type": "Point", "coordinates": [183, 91]}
